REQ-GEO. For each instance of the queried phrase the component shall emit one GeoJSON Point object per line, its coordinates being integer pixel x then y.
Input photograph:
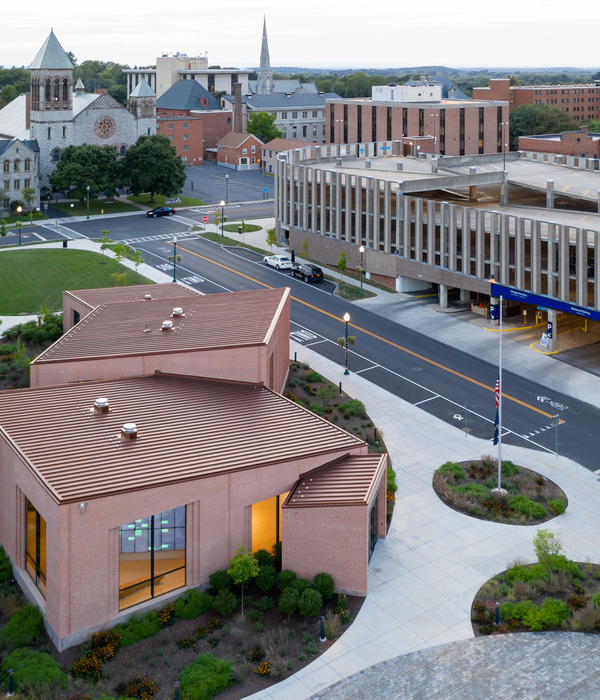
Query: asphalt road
{"type": "Point", "coordinates": [446, 382]}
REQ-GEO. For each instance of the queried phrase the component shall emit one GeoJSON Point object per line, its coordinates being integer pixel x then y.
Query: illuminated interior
{"type": "Point", "coordinates": [35, 548]}
{"type": "Point", "coordinates": [152, 557]}
{"type": "Point", "coordinates": [266, 522]}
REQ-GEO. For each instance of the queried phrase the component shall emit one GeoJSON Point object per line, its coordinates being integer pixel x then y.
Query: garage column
{"type": "Point", "coordinates": [443, 296]}
{"type": "Point", "coordinates": [550, 194]}
{"type": "Point", "coordinates": [552, 330]}
{"type": "Point", "coordinates": [472, 188]}
{"type": "Point", "coordinates": [504, 189]}
{"type": "Point", "coordinates": [598, 201]}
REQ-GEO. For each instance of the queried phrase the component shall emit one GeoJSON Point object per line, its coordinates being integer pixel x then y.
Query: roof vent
{"type": "Point", "coordinates": [129, 431]}
{"type": "Point", "coordinates": [147, 296]}
{"type": "Point", "coordinates": [101, 405]}
{"type": "Point", "coordinates": [177, 311]}
{"type": "Point", "coordinates": [167, 325]}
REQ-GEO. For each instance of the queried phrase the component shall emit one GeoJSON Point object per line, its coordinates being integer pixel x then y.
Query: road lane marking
{"type": "Point", "coordinates": [491, 389]}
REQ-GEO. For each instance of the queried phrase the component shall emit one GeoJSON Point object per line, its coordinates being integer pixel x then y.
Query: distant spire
{"type": "Point", "coordinates": [264, 82]}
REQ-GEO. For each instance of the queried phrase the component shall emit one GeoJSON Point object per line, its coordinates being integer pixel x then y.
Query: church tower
{"type": "Point", "coordinates": [51, 115]}
{"type": "Point", "coordinates": [142, 104]}
{"type": "Point", "coordinates": [264, 83]}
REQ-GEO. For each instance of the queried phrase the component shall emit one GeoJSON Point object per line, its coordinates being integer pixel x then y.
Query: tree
{"type": "Point", "coordinates": [304, 249]}
{"type": "Point", "coordinates": [106, 241]}
{"type": "Point", "coordinates": [137, 261]}
{"type": "Point", "coordinates": [242, 567]}
{"type": "Point", "coordinates": [262, 125]}
{"type": "Point", "coordinates": [86, 166]}
{"type": "Point", "coordinates": [271, 238]}
{"type": "Point", "coordinates": [531, 120]}
{"type": "Point", "coordinates": [342, 263]}
{"type": "Point", "coordinates": [28, 194]}
{"type": "Point", "coordinates": [152, 165]}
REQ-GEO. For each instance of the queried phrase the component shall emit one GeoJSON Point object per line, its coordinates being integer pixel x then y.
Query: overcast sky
{"type": "Point", "coordinates": [314, 33]}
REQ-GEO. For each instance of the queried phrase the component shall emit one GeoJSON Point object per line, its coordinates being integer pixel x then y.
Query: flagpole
{"type": "Point", "coordinates": [500, 405]}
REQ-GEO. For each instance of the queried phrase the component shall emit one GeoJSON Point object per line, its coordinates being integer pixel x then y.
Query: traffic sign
{"type": "Point", "coordinates": [205, 219]}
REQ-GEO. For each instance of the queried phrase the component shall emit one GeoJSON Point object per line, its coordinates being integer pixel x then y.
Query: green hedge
{"type": "Point", "coordinates": [32, 667]}
{"type": "Point", "coordinates": [24, 627]}
{"type": "Point", "coordinates": [451, 468]}
{"type": "Point", "coordinates": [137, 628]}
{"type": "Point", "coordinates": [204, 677]}
{"type": "Point", "coordinates": [6, 571]}
{"type": "Point", "coordinates": [192, 604]}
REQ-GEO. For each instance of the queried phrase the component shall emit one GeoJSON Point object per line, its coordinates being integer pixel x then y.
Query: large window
{"type": "Point", "coordinates": [35, 548]}
{"type": "Point", "coordinates": [266, 522]}
{"type": "Point", "coordinates": [152, 557]}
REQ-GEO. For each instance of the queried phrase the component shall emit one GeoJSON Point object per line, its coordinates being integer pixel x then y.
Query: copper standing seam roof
{"type": "Point", "coordinates": [110, 295]}
{"type": "Point", "coordinates": [208, 321]}
{"type": "Point", "coordinates": [187, 429]}
{"type": "Point", "coordinates": [352, 481]}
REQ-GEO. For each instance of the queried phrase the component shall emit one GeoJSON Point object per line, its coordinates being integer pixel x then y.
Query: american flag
{"type": "Point", "coordinates": [497, 421]}
{"type": "Point", "coordinates": [497, 391]}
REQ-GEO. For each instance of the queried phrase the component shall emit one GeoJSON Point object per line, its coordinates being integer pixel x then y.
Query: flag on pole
{"type": "Point", "coordinates": [497, 397]}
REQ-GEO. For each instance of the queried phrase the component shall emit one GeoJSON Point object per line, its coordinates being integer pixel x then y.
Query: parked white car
{"type": "Point", "coordinates": [281, 262]}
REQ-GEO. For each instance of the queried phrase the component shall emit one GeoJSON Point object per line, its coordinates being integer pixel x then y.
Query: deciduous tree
{"type": "Point", "coordinates": [531, 120]}
{"type": "Point", "coordinates": [83, 166]}
{"type": "Point", "coordinates": [262, 125]}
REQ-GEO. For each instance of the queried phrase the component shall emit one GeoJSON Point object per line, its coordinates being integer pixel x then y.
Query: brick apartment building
{"type": "Point", "coordinates": [418, 116]}
{"type": "Point", "coordinates": [240, 151]}
{"type": "Point", "coordinates": [580, 102]}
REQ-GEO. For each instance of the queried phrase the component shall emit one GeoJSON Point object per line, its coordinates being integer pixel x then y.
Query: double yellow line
{"type": "Point", "coordinates": [378, 337]}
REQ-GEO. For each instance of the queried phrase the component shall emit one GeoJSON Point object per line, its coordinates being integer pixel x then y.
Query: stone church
{"type": "Point", "coordinates": [36, 127]}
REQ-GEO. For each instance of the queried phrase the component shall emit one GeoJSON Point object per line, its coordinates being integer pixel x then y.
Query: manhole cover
{"type": "Point", "coordinates": [418, 369]}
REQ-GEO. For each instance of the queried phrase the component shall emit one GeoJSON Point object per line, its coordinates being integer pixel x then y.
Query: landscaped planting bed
{"type": "Point", "coordinates": [468, 488]}
{"type": "Point", "coordinates": [202, 640]}
{"type": "Point", "coordinates": [553, 594]}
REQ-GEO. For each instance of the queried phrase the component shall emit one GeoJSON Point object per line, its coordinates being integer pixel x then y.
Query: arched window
{"type": "Point", "coordinates": [7, 166]}
{"type": "Point", "coordinates": [56, 90]}
{"type": "Point", "coordinates": [27, 165]}
{"type": "Point", "coordinates": [65, 90]}
{"type": "Point", "coordinates": [17, 166]}
{"type": "Point", "coordinates": [123, 151]}
{"type": "Point", "coordinates": [56, 155]}
{"type": "Point", "coordinates": [48, 91]}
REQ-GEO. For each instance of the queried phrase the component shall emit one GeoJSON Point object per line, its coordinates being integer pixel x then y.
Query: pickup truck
{"type": "Point", "coordinates": [307, 271]}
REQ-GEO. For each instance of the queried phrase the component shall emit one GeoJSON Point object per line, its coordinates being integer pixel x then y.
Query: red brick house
{"type": "Point", "coordinates": [580, 144]}
{"type": "Point", "coordinates": [132, 470]}
{"type": "Point", "coordinates": [239, 151]}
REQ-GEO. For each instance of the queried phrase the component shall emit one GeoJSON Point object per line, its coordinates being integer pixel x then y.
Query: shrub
{"type": "Point", "coordinates": [596, 599]}
{"type": "Point", "coordinates": [6, 571]}
{"type": "Point", "coordinates": [316, 408]}
{"type": "Point", "coordinates": [88, 667]}
{"type": "Point", "coordinates": [551, 613]}
{"type": "Point", "coordinates": [140, 687]}
{"type": "Point", "coordinates": [309, 602]}
{"type": "Point", "coordinates": [353, 407]}
{"type": "Point", "coordinates": [561, 563]}
{"type": "Point", "coordinates": [475, 491]}
{"type": "Point", "coordinates": [547, 545]}
{"type": "Point", "coordinates": [263, 557]}
{"type": "Point", "coordinates": [509, 469]}
{"type": "Point", "coordinates": [331, 625]}
{"type": "Point", "coordinates": [515, 611]}
{"type": "Point", "coordinates": [451, 468]}
{"type": "Point", "coordinates": [556, 507]}
{"type": "Point", "coordinates": [523, 505]}
{"type": "Point", "coordinates": [276, 549]}
{"type": "Point", "coordinates": [314, 377]}
{"type": "Point", "coordinates": [288, 600]}
{"type": "Point", "coordinates": [519, 572]}
{"type": "Point", "coordinates": [204, 677]}
{"type": "Point", "coordinates": [137, 628]}
{"type": "Point", "coordinates": [267, 577]}
{"type": "Point", "coordinates": [24, 627]}
{"type": "Point", "coordinates": [265, 603]}
{"type": "Point", "coordinates": [585, 619]}
{"type": "Point", "coordinates": [285, 579]}
{"type": "Point", "coordinates": [220, 580]}
{"type": "Point", "coordinates": [166, 615]}
{"type": "Point", "coordinates": [300, 584]}
{"type": "Point", "coordinates": [324, 584]}
{"type": "Point", "coordinates": [225, 602]}
{"type": "Point", "coordinates": [31, 667]}
{"type": "Point", "coordinates": [194, 603]}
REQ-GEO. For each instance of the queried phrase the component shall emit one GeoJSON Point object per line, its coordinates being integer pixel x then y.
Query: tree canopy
{"type": "Point", "coordinates": [86, 166]}
{"type": "Point", "coordinates": [531, 120]}
{"type": "Point", "coordinates": [262, 125]}
{"type": "Point", "coordinates": [152, 165]}
{"type": "Point", "coordinates": [105, 75]}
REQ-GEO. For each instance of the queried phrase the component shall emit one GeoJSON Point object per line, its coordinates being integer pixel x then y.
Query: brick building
{"type": "Point", "coordinates": [272, 148]}
{"type": "Point", "coordinates": [239, 151]}
{"type": "Point", "coordinates": [450, 127]}
{"type": "Point", "coordinates": [580, 144]}
{"type": "Point", "coordinates": [580, 102]}
{"type": "Point", "coordinates": [163, 472]}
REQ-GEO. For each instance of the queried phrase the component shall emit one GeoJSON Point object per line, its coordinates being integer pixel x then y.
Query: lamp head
{"type": "Point", "coordinates": [222, 203]}
{"type": "Point", "coordinates": [19, 209]}
{"type": "Point", "coordinates": [362, 249]}
{"type": "Point", "coordinates": [346, 317]}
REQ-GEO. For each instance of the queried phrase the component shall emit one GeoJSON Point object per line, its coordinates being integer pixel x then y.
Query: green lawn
{"type": "Point", "coordinates": [25, 218]}
{"type": "Point", "coordinates": [159, 201]}
{"type": "Point", "coordinates": [32, 278]}
{"type": "Point", "coordinates": [97, 206]}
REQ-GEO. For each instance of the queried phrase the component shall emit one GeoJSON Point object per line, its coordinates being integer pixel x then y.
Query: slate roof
{"type": "Point", "coordinates": [32, 145]}
{"type": "Point", "coordinates": [12, 119]}
{"type": "Point", "coordinates": [283, 86]}
{"type": "Point", "coordinates": [142, 89]}
{"type": "Point", "coordinates": [185, 95]}
{"type": "Point", "coordinates": [281, 101]}
{"type": "Point", "coordinates": [51, 56]}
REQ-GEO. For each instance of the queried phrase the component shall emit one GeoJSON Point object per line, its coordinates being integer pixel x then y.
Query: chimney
{"type": "Point", "coordinates": [129, 431]}
{"type": "Point", "coordinates": [101, 405]}
{"type": "Point", "coordinates": [237, 109]}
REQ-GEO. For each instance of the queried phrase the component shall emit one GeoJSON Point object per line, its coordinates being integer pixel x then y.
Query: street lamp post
{"type": "Point", "coordinates": [433, 116]}
{"type": "Point", "coordinates": [88, 202]}
{"type": "Point", "coordinates": [174, 260]}
{"type": "Point", "coordinates": [226, 189]}
{"type": "Point", "coordinates": [222, 204]}
{"type": "Point", "coordinates": [19, 210]}
{"type": "Point", "coordinates": [346, 321]}
{"type": "Point", "coordinates": [362, 250]}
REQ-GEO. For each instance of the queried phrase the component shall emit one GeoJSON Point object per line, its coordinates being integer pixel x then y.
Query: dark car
{"type": "Point", "coordinates": [308, 272]}
{"type": "Point", "coordinates": [160, 211]}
